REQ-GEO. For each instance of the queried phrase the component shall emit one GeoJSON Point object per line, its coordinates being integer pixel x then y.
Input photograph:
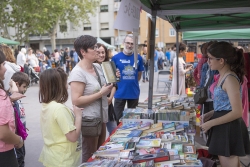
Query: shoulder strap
{"type": "Point", "coordinates": [222, 82]}
{"type": "Point", "coordinates": [99, 80]}
{"type": "Point", "coordinates": [209, 81]}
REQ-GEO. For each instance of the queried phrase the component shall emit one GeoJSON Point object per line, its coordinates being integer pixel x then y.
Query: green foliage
{"type": "Point", "coordinates": [38, 17]}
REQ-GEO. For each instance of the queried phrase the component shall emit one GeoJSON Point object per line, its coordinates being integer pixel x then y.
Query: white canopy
{"type": "Point", "coordinates": [99, 40]}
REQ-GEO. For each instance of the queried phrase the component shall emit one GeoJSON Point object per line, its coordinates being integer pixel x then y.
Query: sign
{"type": "Point", "coordinates": [128, 16]}
{"type": "Point", "coordinates": [189, 57]}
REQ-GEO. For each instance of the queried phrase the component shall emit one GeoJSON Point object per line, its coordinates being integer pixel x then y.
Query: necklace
{"type": "Point", "coordinates": [219, 82]}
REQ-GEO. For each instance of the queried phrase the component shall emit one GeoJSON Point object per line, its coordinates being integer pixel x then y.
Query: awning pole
{"type": "Point", "coordinates": [177, 60]}
{"type": "Point", "coordinates": [152, 50]}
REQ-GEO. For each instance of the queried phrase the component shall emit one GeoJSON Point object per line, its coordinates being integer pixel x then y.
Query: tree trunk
{"type": "Point", "coordinates": [53, 36]}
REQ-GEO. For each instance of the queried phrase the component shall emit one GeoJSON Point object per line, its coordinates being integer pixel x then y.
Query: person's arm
{"type": "Point", "coordinates": [74, 134]}
{"type": "Point", "coordinates": [182, 71]}
{"type": "Point", "coordinates": [139, 75]}
{"type": "Point", "coordinates": [112, 93]}
{"type": "Point", "coordinates": [10, 137]}
{"type": "Point", "coordinates": [235, 101]}
{"type": "Point", "coordinates": [80, 100]}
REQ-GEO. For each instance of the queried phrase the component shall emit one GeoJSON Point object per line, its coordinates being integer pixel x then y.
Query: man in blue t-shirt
{"type": "Point", "coordinates": [128, 87]}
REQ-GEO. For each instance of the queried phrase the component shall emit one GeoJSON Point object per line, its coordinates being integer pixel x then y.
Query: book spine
{"type": "Point", "coordinates": [114, 68]}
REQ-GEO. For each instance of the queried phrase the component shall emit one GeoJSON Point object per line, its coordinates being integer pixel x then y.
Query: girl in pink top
{"type": "Point", "coordinates": [8, 138]}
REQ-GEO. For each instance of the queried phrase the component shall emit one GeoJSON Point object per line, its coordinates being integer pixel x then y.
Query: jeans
{"type": "Point", "coordinates": [20, 152]}
{"type": "Point", "coordinates": [156, 65]}
{"type": "Point", "coordinates": [111, 125]}
{"type": "Point", "coordinates": [145, 73]}
{"type": "Point", "coordinates": [120, 105]}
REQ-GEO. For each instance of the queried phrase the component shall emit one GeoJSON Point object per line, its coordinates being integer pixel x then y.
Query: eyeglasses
{"type": "Point", "coordinates": [210, 58]}
{"type": "Point", "coordinates": [95, 47]}
{"type": "Point", "coordinates": [128, 43]}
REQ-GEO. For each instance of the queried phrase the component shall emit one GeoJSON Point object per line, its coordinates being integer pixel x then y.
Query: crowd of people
{"type": "Point", "coordinates": [65, 142]}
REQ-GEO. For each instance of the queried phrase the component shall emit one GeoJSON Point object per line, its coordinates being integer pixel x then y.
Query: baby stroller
{"type": "Point", "coordinates": [33, 75]}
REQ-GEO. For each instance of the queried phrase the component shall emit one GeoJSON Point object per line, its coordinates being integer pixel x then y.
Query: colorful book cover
{"type": "Point", "coordinates": [178, 146]}
{"type": "Point", "coordinates": [144, 143]}
{"type": "Point", "coordinates": [109, 147]}
{"type": "Point", "coordinates": [145, 126]}
{"type": "Point", "coordinates": [135, 133]}
{"type": "Point", "coordinates": [129, 127]}
{"type": "Point", "coordinates": [154, 128]}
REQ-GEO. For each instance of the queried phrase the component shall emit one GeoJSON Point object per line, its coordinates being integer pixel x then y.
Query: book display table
{"type": "Point", "coordinates": [161, 137]}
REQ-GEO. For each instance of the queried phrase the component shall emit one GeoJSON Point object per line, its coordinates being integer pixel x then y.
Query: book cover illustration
{"type": "Point", "coordinates": [109, 73]}
{"type": "Point", "coordinates": [143, 143]}
{"type": "Point", "coordinates": [108, 147]}
{"type": "Point", "coordinates": [133, 133]}
{"type": "Point", "coordinates": [130, 146]}
{"type": "Point", "coordinates": [145, 126]}
{"type": "Point", "coordinates": [154, 128]}
{"type": "Point", "coordinates": [129, 127]}
{"type": "Point", "coordinates": [178, 146]}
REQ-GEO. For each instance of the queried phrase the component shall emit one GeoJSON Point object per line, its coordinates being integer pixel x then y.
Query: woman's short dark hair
{"type": "Point", "coordinates": [106, 51]}
{"type": "Point", "coordinates": [55, 50]}
{"type": "Point", "coordinates": [21, 78]}
{"type": "Point", "coordinates": [84, 42]}
{"type": "Point", "coordinates": [52, 87]}
{"type": "Point", "coordinates": [233, 57]}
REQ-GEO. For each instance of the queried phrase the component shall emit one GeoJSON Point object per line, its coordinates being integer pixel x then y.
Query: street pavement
{"type": "Point", "coordinates": [34, 141]}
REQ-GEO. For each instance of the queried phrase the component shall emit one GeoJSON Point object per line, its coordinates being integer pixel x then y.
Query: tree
{"type": "Point", "coordinates": [75, 11]}
{"type": "Point", "coordinates": [38, 17]}
{"type": "Point", "coordinates": [3, 18]}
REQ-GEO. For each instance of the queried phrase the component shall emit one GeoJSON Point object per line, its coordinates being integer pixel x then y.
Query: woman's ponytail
{"type": "Point", "coordinates": [239, 64]}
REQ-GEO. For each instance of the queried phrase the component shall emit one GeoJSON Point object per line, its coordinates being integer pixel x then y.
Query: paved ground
{"type": "Point", "coordinates": [34, 142]}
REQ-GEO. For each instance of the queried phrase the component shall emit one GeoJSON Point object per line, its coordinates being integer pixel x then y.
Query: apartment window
{"type": "Point", "coordinates": [87, 27]}
{"type": "Point", "coordinates": [172, 32]}
{"type": "Point", "coordinates": [156, 33]}
{"type": "Point", "coordinates": [63, 28]}
{"type": "Point", "coordinates": [104, 26]}
{"type": "Point", "coordinates": [104, 8]}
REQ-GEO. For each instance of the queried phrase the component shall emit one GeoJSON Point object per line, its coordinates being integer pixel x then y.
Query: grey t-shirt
{"type": "Point", "coordinates": [91, 86]}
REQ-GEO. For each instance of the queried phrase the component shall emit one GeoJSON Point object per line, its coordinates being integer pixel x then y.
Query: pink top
{"type": "Point", "coordinates": [6, 117]}
{"type": "Point", "coordinates": [245, 102]}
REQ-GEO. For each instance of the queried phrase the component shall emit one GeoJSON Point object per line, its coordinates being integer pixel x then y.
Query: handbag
{"type": "Point", "coordinates": [20, 129]}
{"type": "Point", "coordinates": [92, 126]}
{"type": "Point", "coordinates": [200, 95]}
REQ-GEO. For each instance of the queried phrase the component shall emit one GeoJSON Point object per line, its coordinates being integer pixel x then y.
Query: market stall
{"type": "Point", "coordinates": [160, 136]}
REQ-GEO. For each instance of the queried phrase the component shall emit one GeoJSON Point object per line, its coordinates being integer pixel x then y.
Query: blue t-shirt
{"type": "Point", "coordinates": [128, 87]}
{"type": "Point", "coordinates": [168, 55]}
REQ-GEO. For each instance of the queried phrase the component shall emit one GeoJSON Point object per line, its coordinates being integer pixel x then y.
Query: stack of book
{"type": "Point", "coordinates": [163, 136]}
